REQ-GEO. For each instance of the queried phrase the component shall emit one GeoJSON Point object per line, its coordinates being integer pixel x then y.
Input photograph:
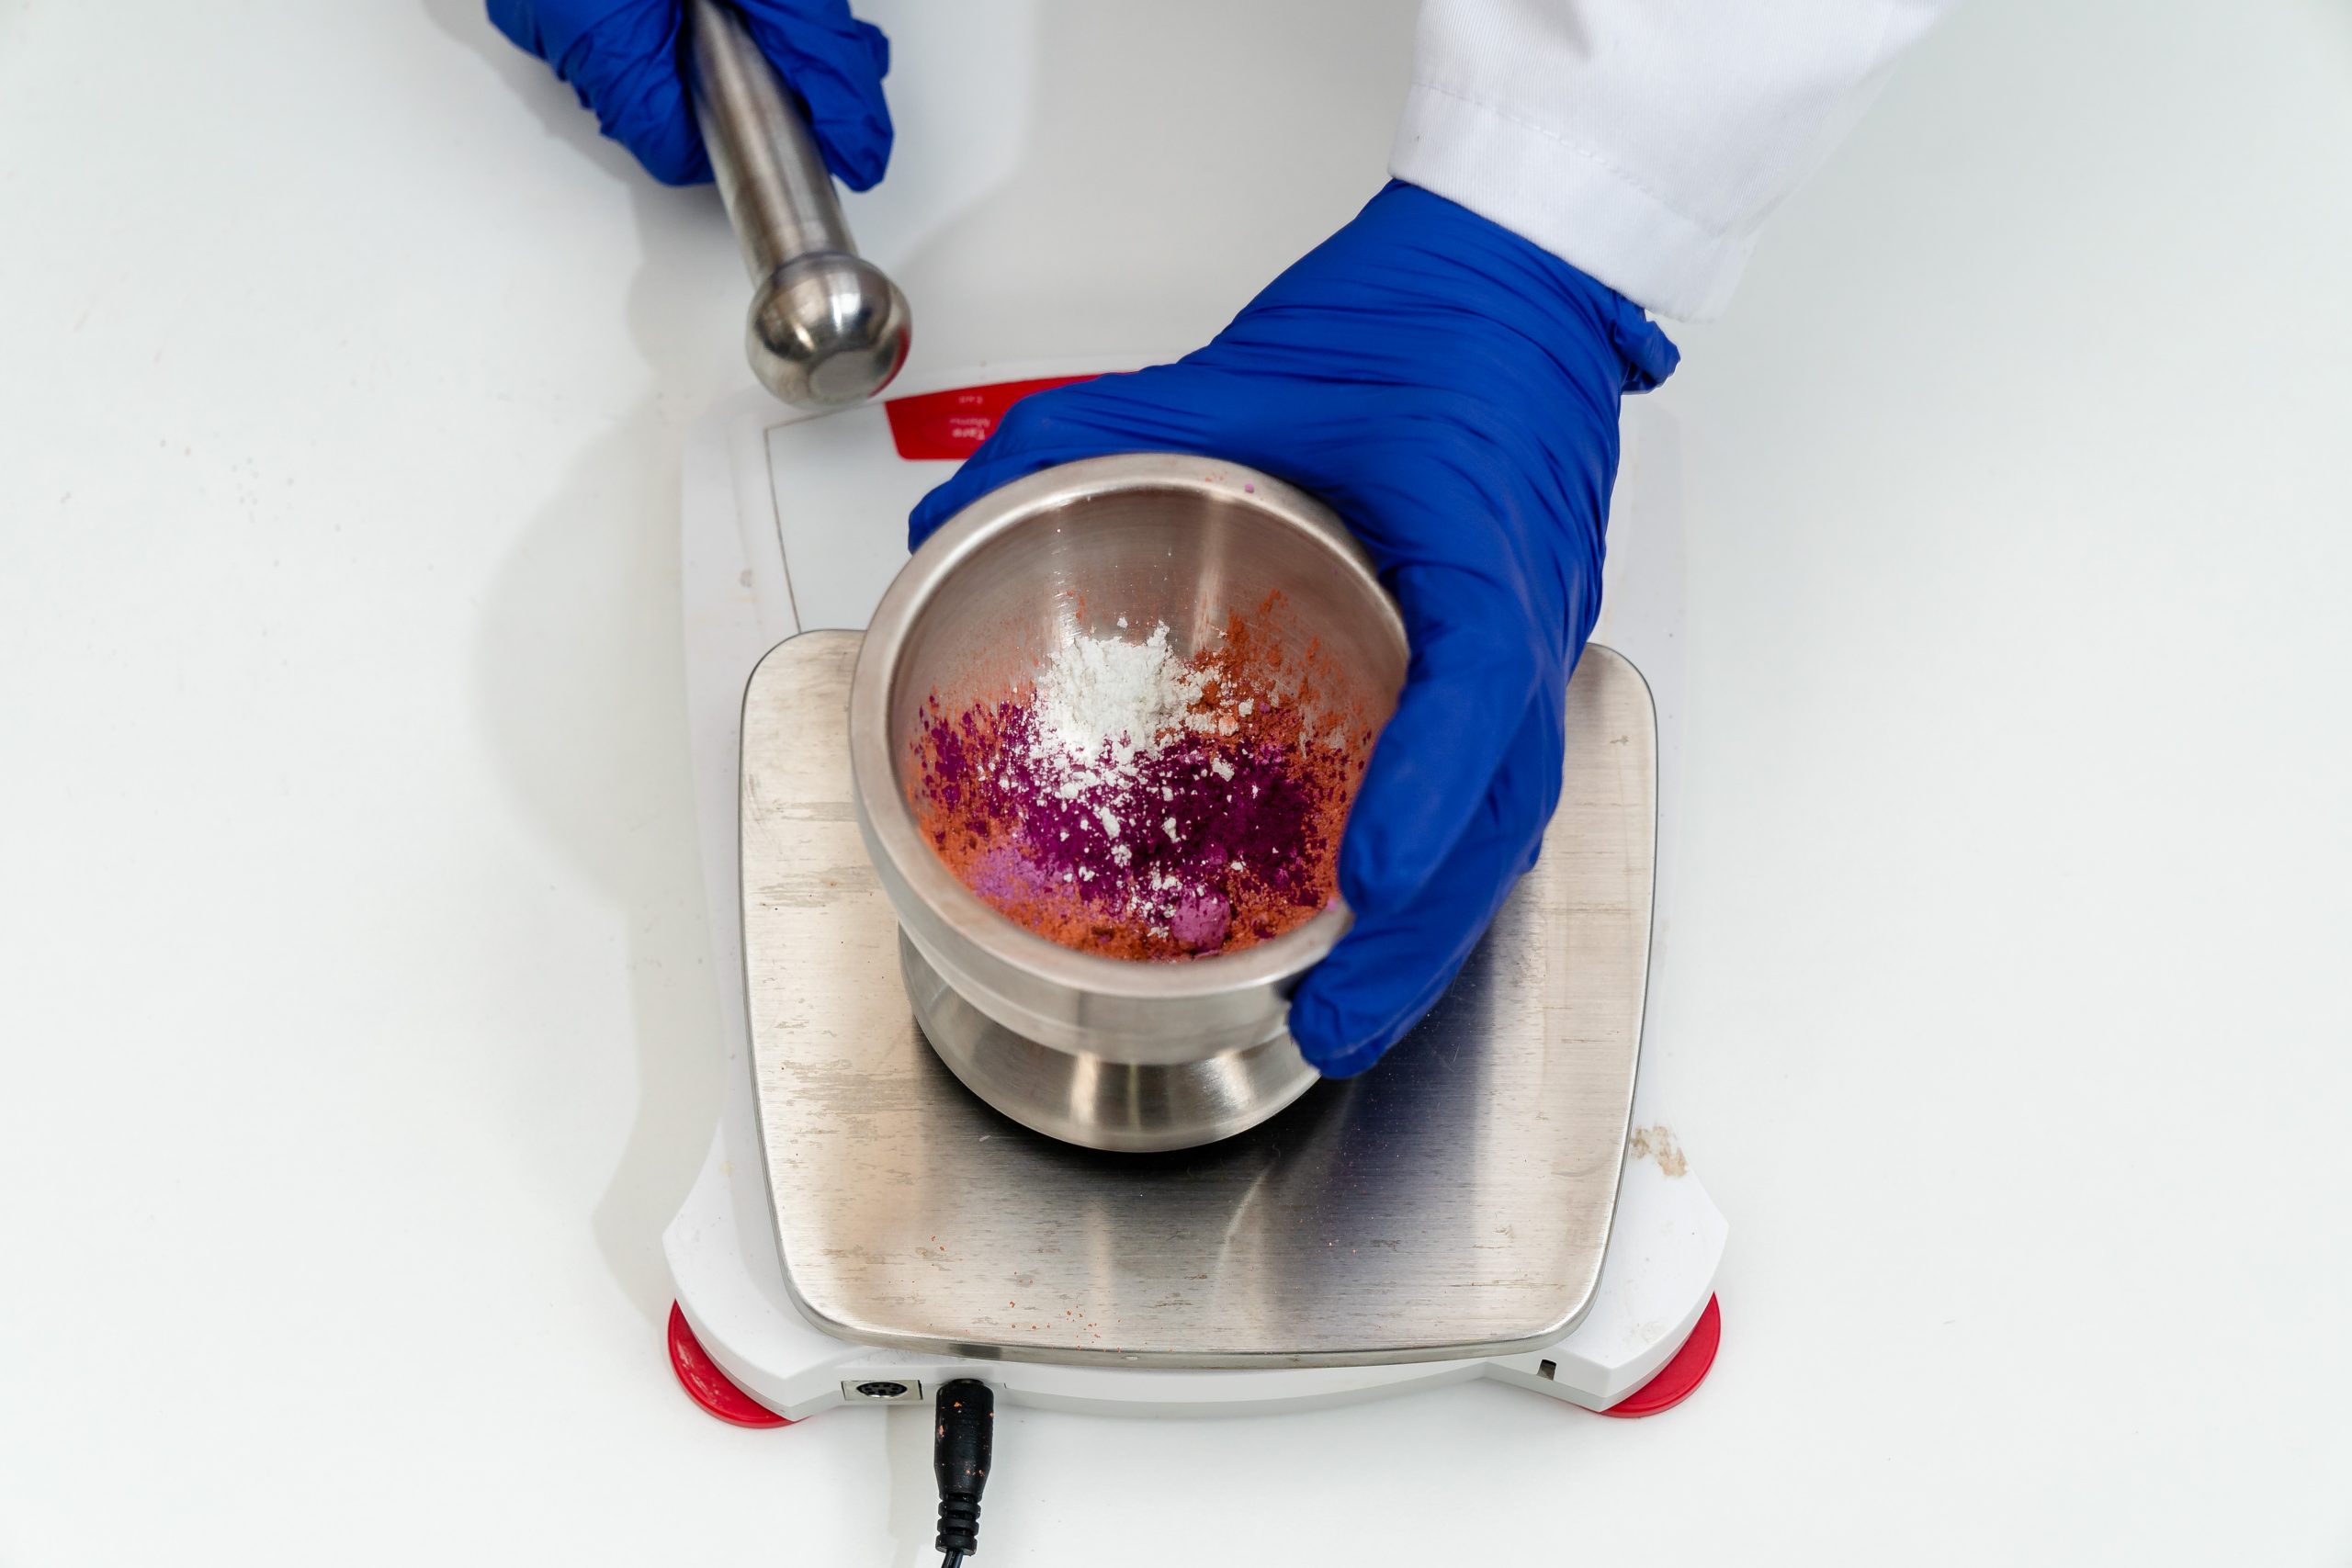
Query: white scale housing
{"type": "Point", "coordinates": [795, 523]}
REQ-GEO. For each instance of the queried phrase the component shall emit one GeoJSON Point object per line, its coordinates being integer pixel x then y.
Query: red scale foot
{"type": "Point", "coordinates": [1682, 1376]}
{"type": "Point", "coordinates": [707, 1385]}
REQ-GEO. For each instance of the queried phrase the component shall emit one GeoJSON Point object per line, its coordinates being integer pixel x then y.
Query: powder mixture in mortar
{"type": "Point", "coordinates": [1134, 804]}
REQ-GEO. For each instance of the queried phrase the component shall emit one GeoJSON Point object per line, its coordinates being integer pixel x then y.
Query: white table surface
{"type": "Point", "coordinates": [357, 1016]}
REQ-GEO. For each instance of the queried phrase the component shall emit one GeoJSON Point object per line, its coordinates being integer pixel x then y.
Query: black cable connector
{"type": "Point", "coordinates": [966, 1413]}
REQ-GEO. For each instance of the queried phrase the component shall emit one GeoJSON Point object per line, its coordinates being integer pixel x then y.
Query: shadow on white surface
{"type": "Point", "coordinates": [578, 679]}
{"type": "Point", "coordinates": [1173, 159]}
{"type": "Point", "coordinates": [580, 686]}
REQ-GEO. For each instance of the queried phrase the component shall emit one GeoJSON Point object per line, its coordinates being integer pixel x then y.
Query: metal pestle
{"type": "Point", "coordinates": [827, 328]}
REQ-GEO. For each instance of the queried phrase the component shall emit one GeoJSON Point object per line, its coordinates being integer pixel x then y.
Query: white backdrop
{"type": "Point", "coordinates": [354, 1011]}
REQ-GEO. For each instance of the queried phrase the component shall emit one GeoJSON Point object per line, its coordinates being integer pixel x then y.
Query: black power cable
{"type": "Point", "coordinates": [966, 1418]}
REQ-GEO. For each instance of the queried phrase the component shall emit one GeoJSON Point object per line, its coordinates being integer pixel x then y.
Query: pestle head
{"type": "Point", "coordinates": [827, 329]}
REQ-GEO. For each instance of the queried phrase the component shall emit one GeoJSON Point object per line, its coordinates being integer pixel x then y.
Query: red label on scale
{"type": "Point", "coordinates": [953, 424]}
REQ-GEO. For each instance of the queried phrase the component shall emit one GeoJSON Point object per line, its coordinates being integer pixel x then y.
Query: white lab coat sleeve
{"type": "Point", "coordinates": [1642, 140]}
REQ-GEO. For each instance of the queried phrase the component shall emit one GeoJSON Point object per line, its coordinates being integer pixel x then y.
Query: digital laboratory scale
{"type": "Point", "coordinates": [1492, 1201]}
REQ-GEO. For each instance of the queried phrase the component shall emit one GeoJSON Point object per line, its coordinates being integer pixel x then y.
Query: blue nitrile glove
{"type": "Point", "coordinates": [625, 59]}
{"type": "Point", "coordinates": [1452, 390]}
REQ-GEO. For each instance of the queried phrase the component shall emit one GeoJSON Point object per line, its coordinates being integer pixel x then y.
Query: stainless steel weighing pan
{"type": "Point", "coordinates": [1456, 1201]}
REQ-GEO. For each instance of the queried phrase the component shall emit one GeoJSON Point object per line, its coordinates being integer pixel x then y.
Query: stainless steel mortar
{"type": "Point", "coordinates": [1108, 1053]}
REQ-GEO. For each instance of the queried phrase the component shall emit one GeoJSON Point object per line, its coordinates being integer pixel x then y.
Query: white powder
{"type": "Point", "coordinates": [1099, 701]}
